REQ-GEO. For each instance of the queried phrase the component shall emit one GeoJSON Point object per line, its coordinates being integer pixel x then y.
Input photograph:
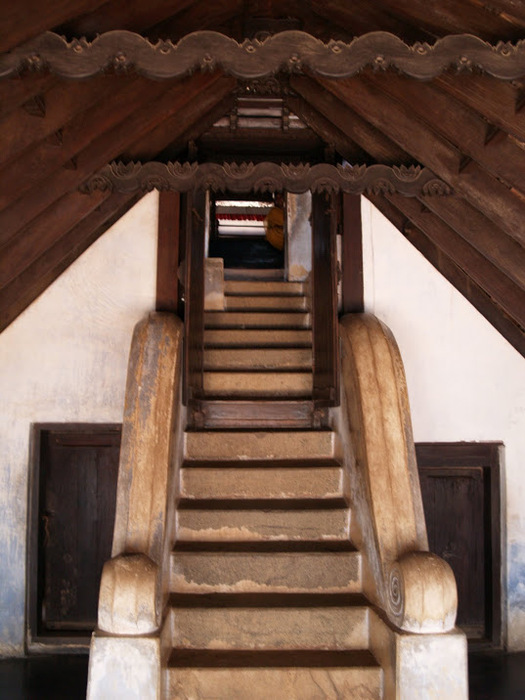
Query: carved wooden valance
{"type": "Point", "coordinates": [290, 51]}
{"type": "Point", "coordinates": [410, 181]}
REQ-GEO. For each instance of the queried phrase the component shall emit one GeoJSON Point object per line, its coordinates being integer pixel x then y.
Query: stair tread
{"type": "Point", "coordinates": [282, 658]}
{"type": "Point", "coordinates": [266, 504]}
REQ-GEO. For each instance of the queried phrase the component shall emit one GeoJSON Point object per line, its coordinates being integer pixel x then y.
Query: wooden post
{"type": "Point", "coordinates": [324, 301]}
{"type": "Point", "coordinates": [168, 251]}
{"type": "Point", "coordinates": [352, 255]}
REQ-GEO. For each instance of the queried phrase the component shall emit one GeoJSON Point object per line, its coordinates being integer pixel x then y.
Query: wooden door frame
{"type": "Point", "coordinates": [35, 641]}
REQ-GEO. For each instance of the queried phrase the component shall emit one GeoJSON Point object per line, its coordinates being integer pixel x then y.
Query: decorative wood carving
{"type": "Point", "coordinates": [290, 51]}
{"type": "Point", "coordinates": [266, 177]}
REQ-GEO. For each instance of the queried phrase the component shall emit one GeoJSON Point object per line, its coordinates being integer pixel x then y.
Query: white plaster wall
{"type": "Point", "coordinates": [465, 382]}
{"type": "Point", "coordinates": [64, 359]}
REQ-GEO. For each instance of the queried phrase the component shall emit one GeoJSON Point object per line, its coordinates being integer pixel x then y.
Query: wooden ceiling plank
{"type": "Point", "coordinates": [17, 90]}
{"type": "Point", "coordinates": [461, 125]}
{"type": "Point", "coordinates": [66, 99]}
{"type": "Point", "coordinates": [506, 293]}
{"type": "Point", "coordinates": [328, 132]}
{"type": "Point", "coordinates": [513, 10]}
{"type": "Point", "coordinates": [24, 19]}
{"type": "Point", "coordinates": [504, 251]}
{"type": "Point", "coordinates": [370, 139]}
{"type": "Point", "coordinates": [108, 145]}
{"type": "Point", "coordinates": [506, 326]}
{"type": "Point", "coordinates": [452, 17]}
{"type": "Point", "coordinates": [496, 100]}
{"type": "Point", "coordinates": [133, 15]}
{"type": "Point", "coordinates": [397, 123]}
{"type": "Point", "coordinates": [360, 17]}
{"type": "Point", "coordinates": [199, 15]}
{"type": "Point", "coordinates": [67, 247]}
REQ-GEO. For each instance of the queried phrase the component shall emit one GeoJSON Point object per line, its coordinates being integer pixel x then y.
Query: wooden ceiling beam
{"type": "Point", "coordinates": [61, 252]}
{"type": "Point", "coordinates": [498, 101]}
{"type": "Point", "coordinates": [506, 293]}
{"type": "Point", "coordinates": [145, 116]}
{"type": "Point", "coordinates": [370, 139]}
{"type": "Point", "coordinates": [24, 19]}
{"type": "Point", "coordinates": [477, 296]}
{"type": "Point", "coordinates": [499, 203]}
{"type": "Point", "coordinates": [513, 10]}
{"type": "Point", "coordinates": [452, 17]}
{"type": "Point", "coordinates": [461, 125]}
{"type": "Point", "coordinates": [133, 15]}
{"type": "Point", "coordinates": [20, 129]}
{"type": "Point", "coordinates": [199, 15]}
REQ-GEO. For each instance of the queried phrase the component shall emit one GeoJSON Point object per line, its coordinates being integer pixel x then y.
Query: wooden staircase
{"type": "Point", "coordinates": [266, 588]}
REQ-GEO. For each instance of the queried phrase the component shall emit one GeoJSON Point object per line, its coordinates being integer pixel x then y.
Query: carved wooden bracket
{"type": "Point", "coordinates": [291, 51]}
{"type": "Point", "coordinates": [410, 181]}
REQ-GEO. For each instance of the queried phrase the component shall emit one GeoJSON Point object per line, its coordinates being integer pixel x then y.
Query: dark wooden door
{"type": "Point", "coordinates": [77, 479]}
{"type": "Point", "coordinates": [459, 485]}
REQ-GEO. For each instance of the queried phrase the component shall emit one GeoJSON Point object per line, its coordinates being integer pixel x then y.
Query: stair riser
{"type": "Point", "coordinates": [264, 384]}
{"type": "Point", "coordinates": [249, 572]}
{"type": "Point", "coordinates": [270, 628]}
{"type": "Point", "coordinates": [246, 359]}
{"type": "Point", "coordinates": [261, 446]}
{"type": "Point", "coordinates": [242, 287]}
{"type": "Point", "coordinates": [258, 338]}
{"type": "Point", "coordinates": [256, 525]}
{"type": "Point", "coordinates": [276, 683]}
{"type": "Point", "coordinates": [240, 319]}
{"type": "Point", "coordinates": [265, 303]}
{"type": "Point", "coordinates": [265, 482]}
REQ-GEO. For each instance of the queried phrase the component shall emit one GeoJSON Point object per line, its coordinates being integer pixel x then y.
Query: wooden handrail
{"type": "Point", "coordinates": [415, 588]}
{"type": "Point", "coordinates": [133, 591]}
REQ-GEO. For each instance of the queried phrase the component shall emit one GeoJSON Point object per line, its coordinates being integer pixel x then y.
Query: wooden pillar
{"type": "Point", "coordinates": [168, 252]}
{"type": "Point", "coordinates": [352, 255]}
{"type": "Point", "coordinates": [324, 301]}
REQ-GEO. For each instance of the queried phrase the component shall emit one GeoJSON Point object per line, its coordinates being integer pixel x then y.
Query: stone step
{"type": "Point", "coordinates": [245, 358]}
{"type": "Point", "coordinates": [265, 522]}
{"type": "Point", "coordinates": [252, 569]}
{"type": "Point", "coordinates": [269, 621]}
{"type": "Point", "coordinates": [302, 446]}
{"type": "Point", "coordinates": [275, 338]}
{"type": "Point", "coordinates": [252, 287]}
{"type": "Point", "coordinates": [263, 384]}
{"type": "Point", "coordinates": [280, 675]}
{"type": "Point", "coordinates": [258, 414]}
{"type": "Point", "coordinates": [197, 483]}
{"type": "Point", "coordinates": [254, 319]}
{"type": "Point", "coordinates": [265, 303]}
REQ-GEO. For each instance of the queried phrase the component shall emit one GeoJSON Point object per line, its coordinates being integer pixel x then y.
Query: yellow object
{"type": "Point", "coordinates": [274, 227]}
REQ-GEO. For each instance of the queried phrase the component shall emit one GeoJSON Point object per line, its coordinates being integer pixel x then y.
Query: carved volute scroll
{"type": "Point", "coordinates": [291, 51]}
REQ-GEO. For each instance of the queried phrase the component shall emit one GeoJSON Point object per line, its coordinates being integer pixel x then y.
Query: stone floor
{"type": "Point", "coordinates": [491, 677]}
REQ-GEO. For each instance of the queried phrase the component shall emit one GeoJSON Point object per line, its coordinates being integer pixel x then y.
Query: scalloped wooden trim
{"type": "Point", "coordinates": [411, 181]}
{"type": "Point", "coordinates": [292, 51]}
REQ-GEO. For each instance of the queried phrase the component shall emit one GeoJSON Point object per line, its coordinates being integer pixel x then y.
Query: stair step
{"type": "Point", "coordinates": [258, 414]}
{"type": "Point", "coordinates": [271, 358]}
{"type": "Point", "coordinates": [255, 524]}
{"type": "Point", "coordinates": [269, 621]}
{"type": "Point", "coordinates": [253, 319]}
{"type": "Point", "coordinates": [265, 384]}
{"type": "Point", "coordinates": [266, 303]}
{"type": "Point", "coordinates": [281, 675]}
{"type": "Point", "coordinates": [251, 287]}
{"type": "Point", "coordinates": [212, 571]}
{"type": "Point", "coordinates": [257, 338]}
{"type": "Point", "coordinates": [302, 446]}
{"type": "Point", "coordinates": [261, 482]}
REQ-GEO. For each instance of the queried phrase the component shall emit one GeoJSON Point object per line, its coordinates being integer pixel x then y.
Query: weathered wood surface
{"type": "Point", "coordinates": [168, 252]}
{"type": "Point", "coordinates": [289, 50]}
{"type": "Point", "coordinates": [352, 255]}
